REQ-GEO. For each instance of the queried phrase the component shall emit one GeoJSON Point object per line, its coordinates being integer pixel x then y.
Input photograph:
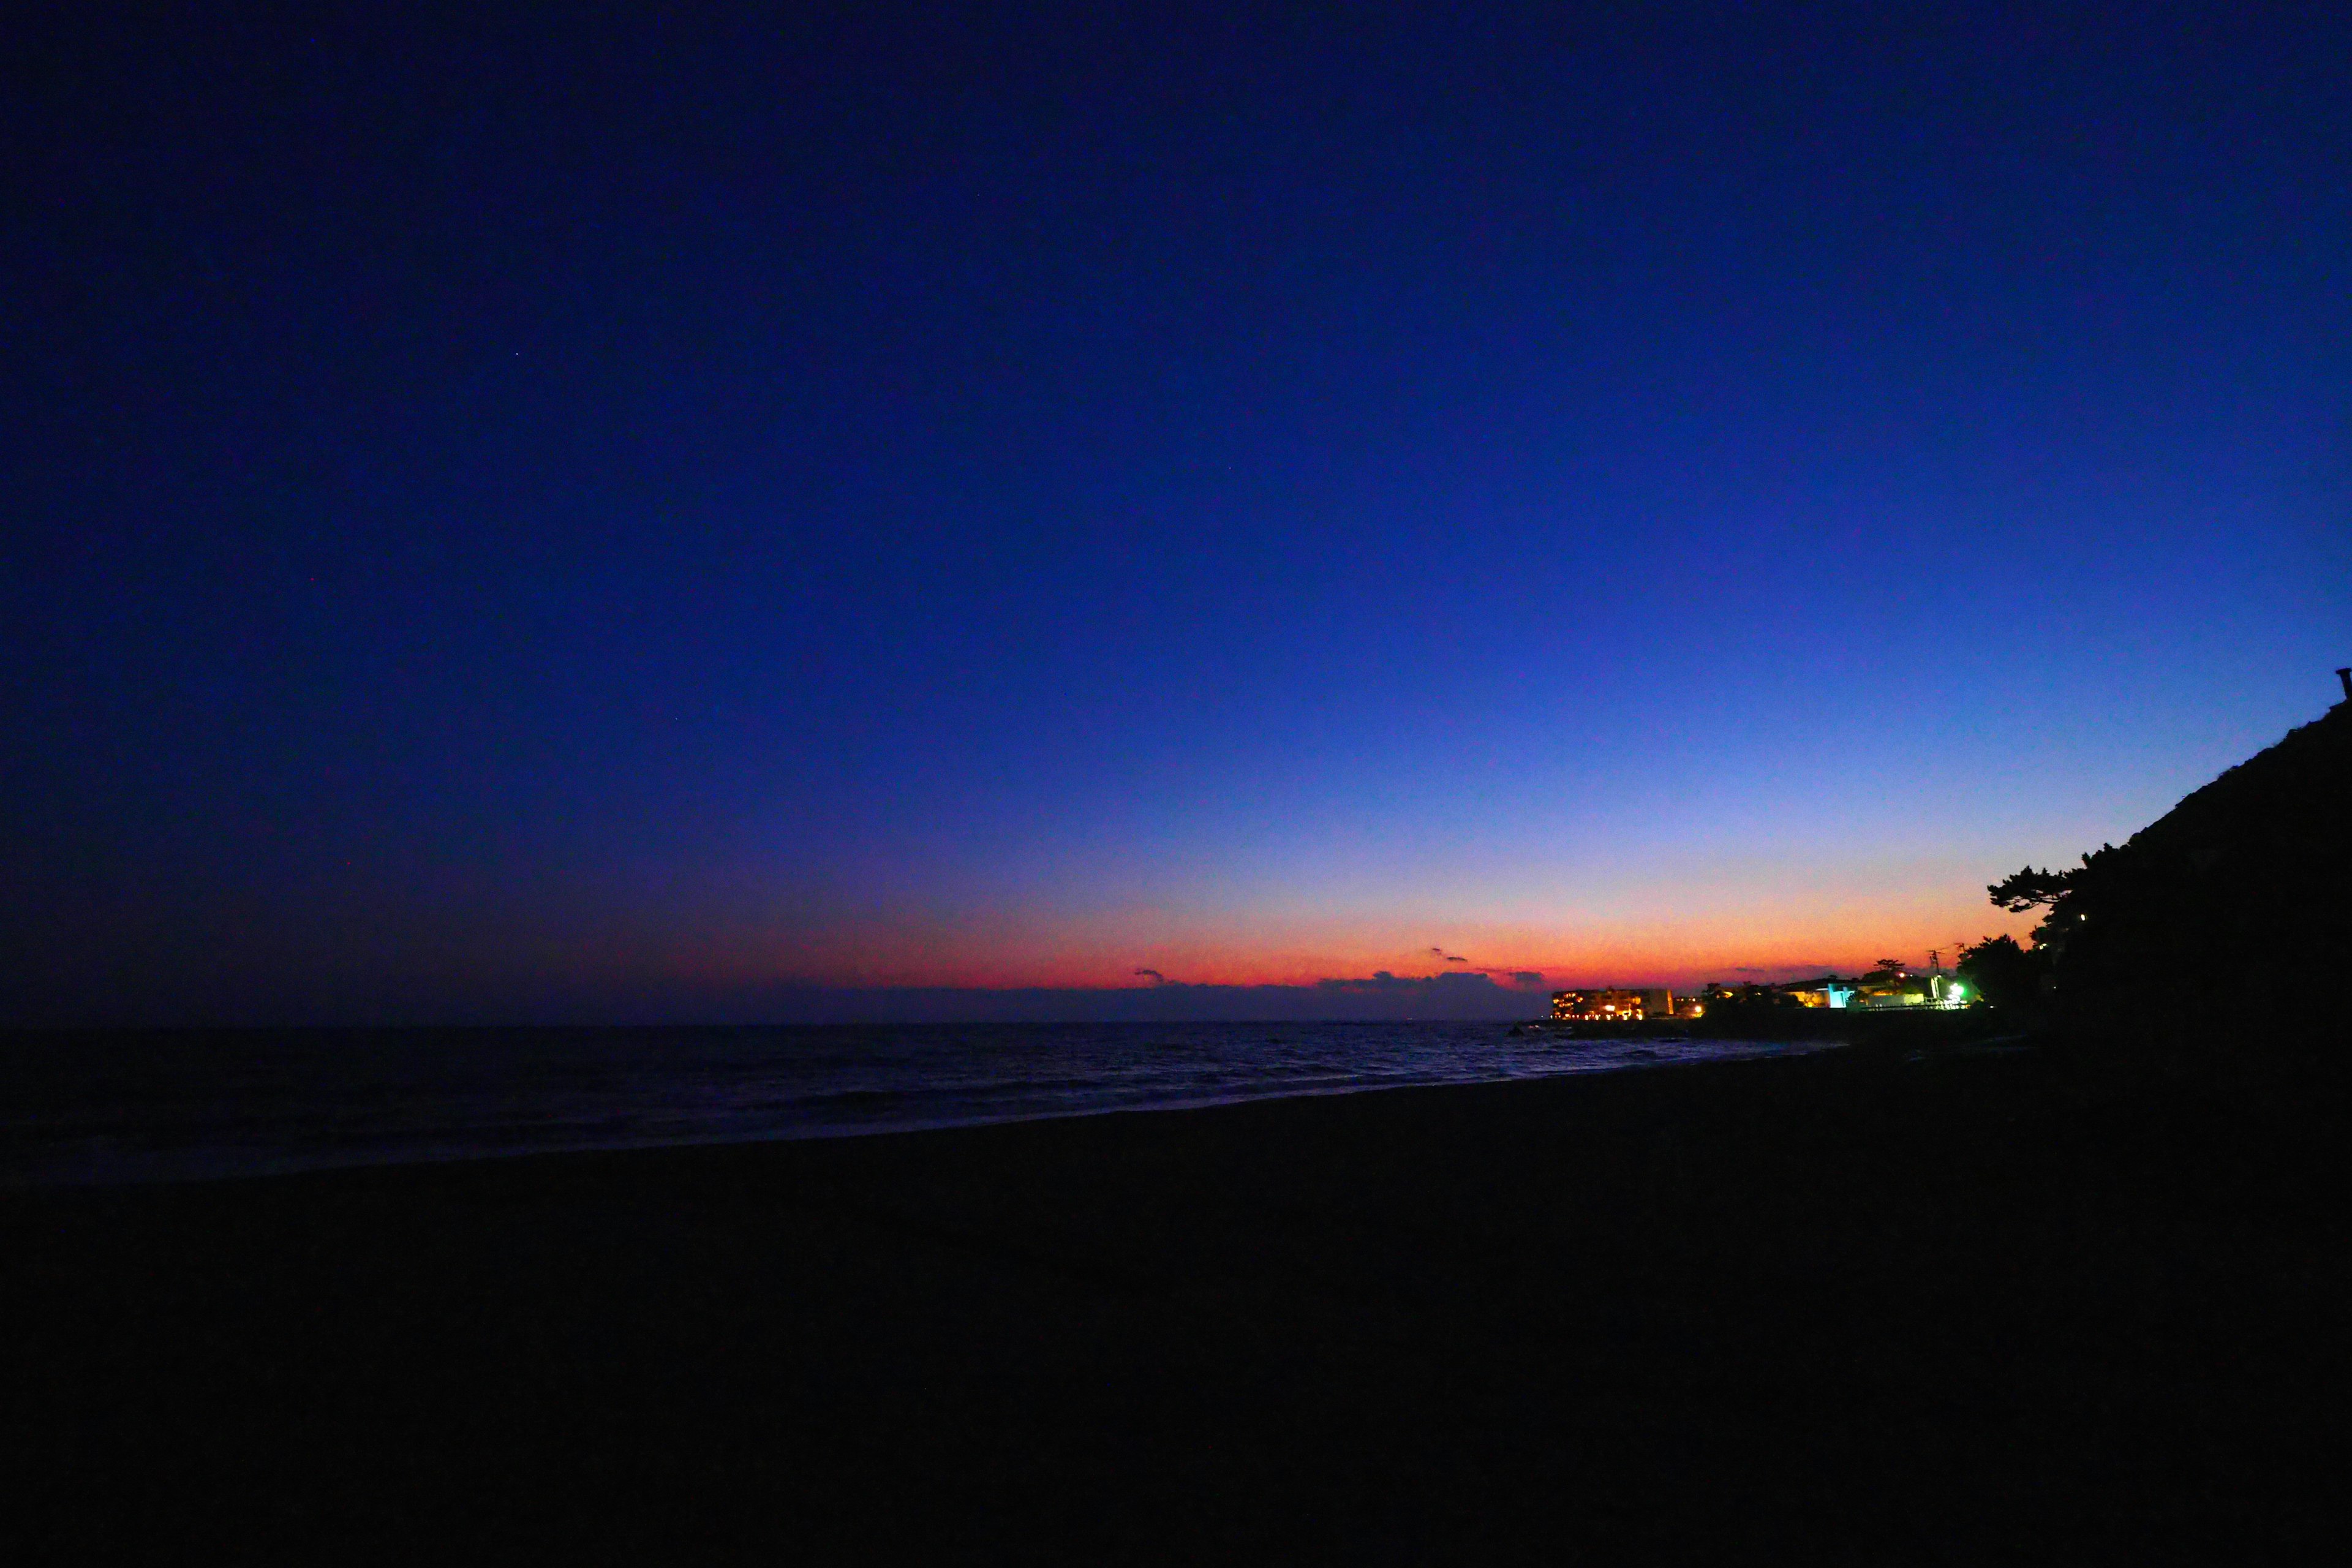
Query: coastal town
{"type": "Point", "coordinates": [1892, 985]}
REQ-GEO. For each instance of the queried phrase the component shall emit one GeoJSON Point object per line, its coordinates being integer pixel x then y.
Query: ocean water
{"type": "Point", "coordinates": [184, 1106]}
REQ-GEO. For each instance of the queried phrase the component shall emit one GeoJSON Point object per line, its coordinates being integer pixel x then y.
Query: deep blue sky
{"type": "Point", "coordinates": [519, 515]}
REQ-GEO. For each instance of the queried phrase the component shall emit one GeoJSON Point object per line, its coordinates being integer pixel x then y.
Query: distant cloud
{"type": "Point", "coordinates": [1526, 976]}
{"type": "Point", "coordinates": [1384, 983]}
{"type": "Point", "coordinates": [1381, 980]}
{"type": "Point", "coordinates": [1156, 977]}
{"type": "Point", "coordinates": [1455, 958]}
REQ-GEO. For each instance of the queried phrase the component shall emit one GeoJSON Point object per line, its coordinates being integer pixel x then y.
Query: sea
{"type": "Point", "coordinates": [85, 1108]}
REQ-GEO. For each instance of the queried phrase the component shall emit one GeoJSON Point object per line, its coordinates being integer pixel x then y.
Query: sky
{"type": "Point", "coordinates": [640, 514]}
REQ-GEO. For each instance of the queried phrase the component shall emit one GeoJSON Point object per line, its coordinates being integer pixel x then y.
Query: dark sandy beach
{"type": "Point", "coordinates": [1965, 1306]}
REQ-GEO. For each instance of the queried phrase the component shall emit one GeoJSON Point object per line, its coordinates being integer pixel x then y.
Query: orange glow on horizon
{"type": "Point", "coordinates": [1109, 950]}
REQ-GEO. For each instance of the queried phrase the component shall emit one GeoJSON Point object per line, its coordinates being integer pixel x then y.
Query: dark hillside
{"type": "Point", "coordinates": [2235, 902]}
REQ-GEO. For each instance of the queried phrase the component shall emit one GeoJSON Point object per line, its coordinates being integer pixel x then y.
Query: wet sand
{"type": "Point", "coordinates": [1973, 1306]}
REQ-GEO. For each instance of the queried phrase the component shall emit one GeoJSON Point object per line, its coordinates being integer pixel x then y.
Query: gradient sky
{"type": "Point", "coordinates": [511, 518]}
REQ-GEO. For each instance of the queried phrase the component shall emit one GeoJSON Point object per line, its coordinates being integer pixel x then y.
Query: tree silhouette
{"type": "Point", "coordinates": [2004, 975]}
{"type": "Point", "coordinates": [2237, 893]}
{"type": "Point", "coordinates": [2027, 889]}
{"type": "Point", "coordinates": [2066, 894]}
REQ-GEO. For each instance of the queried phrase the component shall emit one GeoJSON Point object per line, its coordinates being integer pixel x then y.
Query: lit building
{"type": "Point", "coordinates": [1878, 991]}
{"type": "Point", "coordinates": [1937, 990]}
{"type": "Point", "coordinates": [1612, 1006]}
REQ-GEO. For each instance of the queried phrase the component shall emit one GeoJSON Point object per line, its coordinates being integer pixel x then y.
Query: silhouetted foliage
{"type": "Point", "coordinates": [2233, 899]}
{"type": "Point", "coordinates": [2027, 889]}
{"type": "Point", "coordinates": [2057, 891]}
{"type": "Point", "coordinates": [1731, 1010]}
{"type": "Point", "coordinates": [2004, 975]}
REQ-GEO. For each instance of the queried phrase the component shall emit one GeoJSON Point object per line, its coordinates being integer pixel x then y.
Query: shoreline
{"type": "Point", "coordinates": [100, 1163]}
{"type": "Point", "coordinates": [1848, 1303]}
